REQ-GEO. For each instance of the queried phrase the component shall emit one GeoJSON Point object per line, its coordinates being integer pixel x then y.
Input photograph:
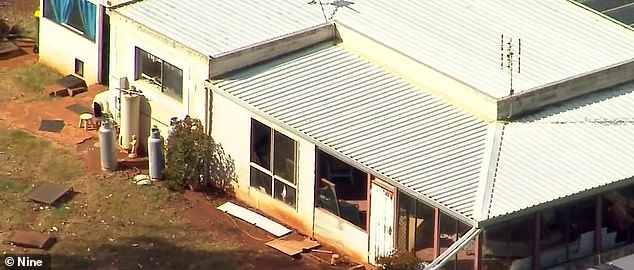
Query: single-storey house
{"type": "Point", "coordinates": [374, 126]}
{"type": "Point", "coordinates": [74, 38]}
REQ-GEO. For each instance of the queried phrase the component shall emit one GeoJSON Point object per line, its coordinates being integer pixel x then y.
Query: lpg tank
{"type": "Point", "coordinates": [129, 123]}
{"type": "Point", "coordinates": [107, 146]}
{"type": "Point", "coordinates": [155, 154]}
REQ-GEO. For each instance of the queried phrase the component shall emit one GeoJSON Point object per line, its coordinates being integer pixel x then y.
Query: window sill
{"type": "Point", "coordinates": [264, 193]}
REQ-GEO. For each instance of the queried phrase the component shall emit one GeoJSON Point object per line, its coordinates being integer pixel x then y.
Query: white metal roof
{"type": "Point", "coordinates": [372, 117]}
{"type": "Point", "coordinates": [211, 27]}
{"type": "Point", "coordinates": [461, 38]}
{"type": "Point", "coordinates": [583, 144]}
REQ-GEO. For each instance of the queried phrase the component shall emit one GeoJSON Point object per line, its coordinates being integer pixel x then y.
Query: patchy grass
{"type": "Point", "coordinates": [11, 186]}
{"type": "Point", "coordinates": [109, 221]}
{"type": "Point", "coordinates": [27, 83]}
{"type": "Point", "coordinates": [27, 157]}
{"type": "Point", "coordinates": [34, 78]}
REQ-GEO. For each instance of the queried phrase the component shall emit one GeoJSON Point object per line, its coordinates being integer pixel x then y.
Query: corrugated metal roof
{"type": "Point", "coordinates": [459, 38]}
{"type": "Point", "coordinates": [583, 144]}
{"type": "Point", "coordinates": [211, 27]}
{"type": "Point", "coordinates": [462, 38]}
{"type": "Point", "coordinates": [373, 117]}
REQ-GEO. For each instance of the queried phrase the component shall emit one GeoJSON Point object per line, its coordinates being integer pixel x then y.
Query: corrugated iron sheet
{"type": "Point", "coordinates": [212, 27]}
{"type": "Point", "coordinates": [462, 38]}
{"type": "Point", "coordinates": [583, 144]}
{"type": "Point", "coordinates": [372, 117]}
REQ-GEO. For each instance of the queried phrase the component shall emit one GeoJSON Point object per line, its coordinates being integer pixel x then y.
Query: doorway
{"type": "Point", "coordinates": [104, 66]}
{"type": "Point", "coordinates": [381, 222]}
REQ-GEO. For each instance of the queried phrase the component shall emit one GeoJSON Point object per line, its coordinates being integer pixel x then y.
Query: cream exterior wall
{"type": "Point", "coordinates": [60, 45]}
{"type": "Point", "coordinates": [232, 128]}
{"type": "Point", "coordinates": [156, 107]}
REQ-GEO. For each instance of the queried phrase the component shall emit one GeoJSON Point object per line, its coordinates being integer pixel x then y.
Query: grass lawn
{"type": "Point", "coordinates": [108, 222]}
{"type": "Point", "coordinates": [27, 83]}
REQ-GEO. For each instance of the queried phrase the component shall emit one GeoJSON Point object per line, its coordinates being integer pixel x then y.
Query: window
{"type": "Point", "coordinates": [415, 227]}
{"type": "Point", "coordinates": [79, 67]}
{"type": "Point", "coordinates": [156, 71]}
{"type": "Point", "coordinates": [273, 163]}
{"type": "Point", "coordinates": [342, 190]}
{"type": "Point", "coordinates": [78, 15]}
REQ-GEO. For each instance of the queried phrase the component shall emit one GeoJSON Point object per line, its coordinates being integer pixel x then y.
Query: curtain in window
{"type": "Point", "coordinates": [62, 9]}
{"type": "Point", "coordinates": [88, 17]}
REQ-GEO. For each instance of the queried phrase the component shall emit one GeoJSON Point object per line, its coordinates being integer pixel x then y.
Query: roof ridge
{"type": "Point", "coordinates": [495, 171]}
{"type": "Point", "coordinates": [488, 171]}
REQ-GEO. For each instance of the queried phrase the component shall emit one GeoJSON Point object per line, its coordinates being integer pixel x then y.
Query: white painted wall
{"type": "Point", "coordinates": [157, 108]}
{"type": "Point", "coordinates": [59, 46]}
{"type": "Point", "coordinates": [232, 128]}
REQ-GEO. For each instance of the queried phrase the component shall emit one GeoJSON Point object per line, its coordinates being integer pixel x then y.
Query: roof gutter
{"type": "Point", "coordinates": [337, 154]}
{"type": "Point", "coordinates": [557, 202]}
{"type": "Point", "coordinates": [441, 260]}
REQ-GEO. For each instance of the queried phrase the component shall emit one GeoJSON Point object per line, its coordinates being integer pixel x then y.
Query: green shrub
{"type": "Point", "coordinates": [194, 159]}
{"type": "Point", "coordinates": [400, 260]}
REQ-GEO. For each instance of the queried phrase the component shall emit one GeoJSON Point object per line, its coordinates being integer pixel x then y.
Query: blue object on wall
{"type": "Point", "coordinates": [88, 12]}
{"type": "Point", "coordinates": [62, 9]}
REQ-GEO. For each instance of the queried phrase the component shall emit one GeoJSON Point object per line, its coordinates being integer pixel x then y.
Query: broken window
{"type": "Point", "coordinates": [342, 190]}
{"type": "Point", "coordinates": [274, 174]}
{"type": "Point", "coordinates": [154, 70]}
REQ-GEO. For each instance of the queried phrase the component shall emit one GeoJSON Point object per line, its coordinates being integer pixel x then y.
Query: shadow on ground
{"type": "Point", "coordinates": [157, 253]}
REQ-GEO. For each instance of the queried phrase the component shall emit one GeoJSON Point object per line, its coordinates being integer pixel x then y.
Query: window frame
{"type": "Point", "coordinates": [139, 75]}
{"type": "Point", "coordinates": [271, 160]}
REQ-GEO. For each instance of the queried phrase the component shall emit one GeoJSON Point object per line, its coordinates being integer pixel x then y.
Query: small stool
{"type": "Point", "coordinates": [85, 119]}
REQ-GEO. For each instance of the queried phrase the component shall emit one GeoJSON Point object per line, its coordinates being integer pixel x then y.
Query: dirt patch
{"type": "Point", "coordinates": [201, 211]}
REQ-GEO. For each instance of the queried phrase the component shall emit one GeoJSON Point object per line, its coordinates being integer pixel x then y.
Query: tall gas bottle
{"type": "Point", "coordinates": [130, 114]}
{"type": "Point", "coordinates": [155, 154]}
{"type": "Point", "coordinates": [170, 129]}
{"type": "Point", "coordinates": [107, 146]}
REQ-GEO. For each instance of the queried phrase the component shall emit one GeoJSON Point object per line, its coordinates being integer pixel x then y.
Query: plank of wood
{"type": "Point", "coordinates": [292, 247]}
{"type": "Point", "coordinates": [254, 218]}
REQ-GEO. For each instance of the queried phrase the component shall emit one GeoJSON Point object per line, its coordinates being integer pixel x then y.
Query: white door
{"type": "Point", "coordinates": [381, 222]}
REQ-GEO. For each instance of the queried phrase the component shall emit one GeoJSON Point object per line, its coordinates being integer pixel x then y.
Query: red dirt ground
{"type": "Point", "coordinates": [199, 210]}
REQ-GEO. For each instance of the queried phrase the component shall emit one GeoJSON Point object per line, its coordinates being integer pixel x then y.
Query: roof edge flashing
{"type": "Point", "coordinates": [227, 62]}
{"type": "Point", "coordinates": [489, 169]}
{"type": "Point", "coordinates": [498, 218]}
{"type": "Point", "coordinates": [537, 98]}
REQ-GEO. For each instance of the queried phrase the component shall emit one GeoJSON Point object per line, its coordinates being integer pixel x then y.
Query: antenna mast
{"type": "Point", "coordinates": [507, 54]}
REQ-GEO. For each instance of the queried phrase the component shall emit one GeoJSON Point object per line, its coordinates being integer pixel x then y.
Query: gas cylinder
{"type": "Point", "coordinates": [155, 154]}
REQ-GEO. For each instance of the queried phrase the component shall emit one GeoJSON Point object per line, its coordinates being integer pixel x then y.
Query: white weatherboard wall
{"type": "Point", "coordinates": [156, 107]}
{"type": "Point", "coordinates": [59, 46]}
{"type": "Point", "coordinates": [232, 128]}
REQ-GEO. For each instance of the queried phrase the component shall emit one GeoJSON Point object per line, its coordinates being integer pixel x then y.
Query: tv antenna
{"type": "Point", "coordinates": [508, 56]}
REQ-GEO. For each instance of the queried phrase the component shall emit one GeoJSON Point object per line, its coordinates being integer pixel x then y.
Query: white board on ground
{"type": "Point", "coordinates": [254, 218]}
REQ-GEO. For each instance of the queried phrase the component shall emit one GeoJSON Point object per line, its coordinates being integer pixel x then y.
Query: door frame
{"type": "Point", "coordinates": [393, 191]}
